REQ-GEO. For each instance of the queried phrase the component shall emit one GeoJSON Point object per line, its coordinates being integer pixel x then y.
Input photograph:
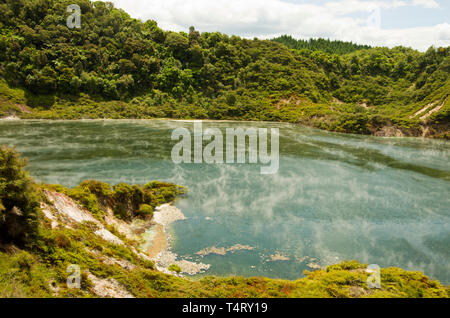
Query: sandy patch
{"type": "Point", "coordinates": [108, 236]}
{"type": "Point", "coordinates": [278, 257]}
{"type": "Point", "coordinates": [166, 214]}
{"type": "Point", "coordinates": [13, 117]}
{"type": "Point", "coordinates": [47, 210]}
{"type": "Point", "coordinates": [67, 208]}
{"type": "Point", "coordinates": [422, 110]}
{"type": "Point", "coordinates": [434, 110]}
{"type": "Point", "coordinates": [157, 242]}
{"type": "Point", "coordinates": [223, 250]}
{"type": "Point", "coordinates": [156, 237]}
{"type": "Point", "coordinates": [166, 258]}
{"type": "Point", "coordinates": [389, 131]}
{"type": "Point", "coordinates": [314, 266]}
{"type": "Point", "coordinates": [113, 261]}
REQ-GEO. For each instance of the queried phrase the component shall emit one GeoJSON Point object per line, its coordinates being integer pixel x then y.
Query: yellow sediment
{"type": "Point", "coordinates": [159, 242]}
{"type": "Point", "coordinates": [278, 257]}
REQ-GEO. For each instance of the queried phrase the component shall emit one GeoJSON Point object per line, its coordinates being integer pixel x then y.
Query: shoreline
{"type": "Point", "coordinates": [387, 132]}
{"type": "Point", "coordinates": [157, 243]}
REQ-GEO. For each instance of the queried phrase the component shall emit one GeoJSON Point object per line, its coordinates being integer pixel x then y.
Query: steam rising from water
{"type": "Point", "coordinates": [336, 197]}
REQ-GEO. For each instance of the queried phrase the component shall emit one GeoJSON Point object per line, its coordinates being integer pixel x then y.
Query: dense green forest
{"type": "Point", "coordinates": [324, 45]}
{"type": "Point", "coordinates": [115, 66]}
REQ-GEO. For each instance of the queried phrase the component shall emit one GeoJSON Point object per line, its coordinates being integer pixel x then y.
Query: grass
{"type": "Point", "coordinates": [22, 275]}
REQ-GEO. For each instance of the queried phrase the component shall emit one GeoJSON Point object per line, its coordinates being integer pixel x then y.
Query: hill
{"type": "Point", "coordinates": [115, 66]}
{"type": "Point", "coordinates": [324, 45]}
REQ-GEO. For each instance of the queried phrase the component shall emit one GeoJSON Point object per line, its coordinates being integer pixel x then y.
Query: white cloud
{"type": "Point", "coordinates": [268, 18]}
{"type": "Point", "coordinates": [426, 3]}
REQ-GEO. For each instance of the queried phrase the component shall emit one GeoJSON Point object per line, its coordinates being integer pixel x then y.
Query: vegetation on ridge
{"type": "Point", "coordinates": [327, 46]}
{"type": "Point", "coordinates": [126, 201]}
{"type": "Point", "coordinates": [118, 67]}
{"type": "Point", "coordinates": [19, 200]}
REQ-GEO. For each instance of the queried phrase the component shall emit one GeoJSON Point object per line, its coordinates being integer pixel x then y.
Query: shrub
{"type": "Point", "coordinates": [174, 268]}
{"type": "Point", "coordinates": [126, 200]}
{"type": "Point", "coordinates": [25, 261]}
{"type": "Point", "coordinates": [62, 240]}
{"type": "Point", "coordinates": [101, 190]}
{"type": "Point", "coordinates": [145, 211]}
{"type": "Point", "coordinates": [19, 199]}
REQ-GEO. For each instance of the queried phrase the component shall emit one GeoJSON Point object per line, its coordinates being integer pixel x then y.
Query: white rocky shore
{"type": "Point", "coordinates": [67, 212]}
{"type": "Point", "coordinates": [63, 211]}
{"type": "Point", "coordinates": [12, 117]}
{"type": "Point", "coordinates": [164, 216]}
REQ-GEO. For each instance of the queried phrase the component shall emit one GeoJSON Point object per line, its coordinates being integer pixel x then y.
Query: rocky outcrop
{"type": "Point", "coordinates": [67, 212]}
{"type": "Point", "coordinates": [108, 288]}
{"type": "Point", "coordinates": [389, 131]}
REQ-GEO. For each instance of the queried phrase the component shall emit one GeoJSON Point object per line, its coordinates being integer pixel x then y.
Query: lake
{"type": "Point", "coordinates": [335, 197]}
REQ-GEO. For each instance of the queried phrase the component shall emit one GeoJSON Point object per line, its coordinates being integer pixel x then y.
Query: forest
{"type": "Point", "coordinates": [115, 66]}
{"type": "Point", "coordinates": [324, 45]}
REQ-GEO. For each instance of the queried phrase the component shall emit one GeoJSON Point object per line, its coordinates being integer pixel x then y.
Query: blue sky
{"type": "Point", "coordinates": [414, 23]}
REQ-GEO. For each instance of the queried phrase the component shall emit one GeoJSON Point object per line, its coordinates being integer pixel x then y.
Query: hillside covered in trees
{"type": "Point", "coordinates": [115, 66]}
{"type": "Point", "coordinates": [324, 45]}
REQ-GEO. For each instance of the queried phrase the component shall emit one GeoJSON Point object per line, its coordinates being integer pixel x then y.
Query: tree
{"type": "Point", "coordinates": [65, 79]}
{"type": "Point", "coordinates": [177, 43]}
{"type": "Point", "coordinates": [194, 36]}
{"type": "Point", "coordinates": [116, 57]}
{"type": "Point", "coordinates": [125, 83]}
{"type": "Point", "coordinates": [75, 84]}
{"type": "Point", "coordinates": [19, 199]}
{"type": "Point", "coordinates": [42, 82]}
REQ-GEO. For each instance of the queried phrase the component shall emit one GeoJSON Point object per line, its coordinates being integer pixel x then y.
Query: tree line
{"type": "Point", "coordinates": [115, 57]}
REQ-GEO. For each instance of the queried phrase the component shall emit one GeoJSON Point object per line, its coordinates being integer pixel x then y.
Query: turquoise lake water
{"type": "Point", "coordinates": [336, 197]}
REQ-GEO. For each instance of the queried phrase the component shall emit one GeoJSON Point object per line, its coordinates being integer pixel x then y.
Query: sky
{"type": "Point", "coordinates": [413, 23]}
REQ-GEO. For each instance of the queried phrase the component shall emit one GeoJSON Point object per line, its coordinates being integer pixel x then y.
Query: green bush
{"type": "Point", "coordinates": [126, 200]}
{"type": "Point", "coordinates": [19, 199]}
{"type": "Point", "coordinates": [174, 268]}
{"type": "Point", "coordinates": [145, 211]}
{"type": "Point", "coordinates": [25, 261]}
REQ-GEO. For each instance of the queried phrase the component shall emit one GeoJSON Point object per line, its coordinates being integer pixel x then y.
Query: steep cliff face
{"type": "Point", "coordinates": [64, 212]}
{"type": "Point", "coordinates": [146, 238]}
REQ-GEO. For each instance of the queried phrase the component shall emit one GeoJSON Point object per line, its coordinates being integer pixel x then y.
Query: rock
{"type": "Point", "coordinates": [223, 250]}
{"type": "Point", "coordinates": [167, 258]}
{"type": "Point", "coordinates": [71, 213]}
{"type": "Point", "coordinates": [278, 257]}
{"type": "Point", "coordinates": [108, 288]}
{"type": "Point", "coordinates": [389, 131]}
